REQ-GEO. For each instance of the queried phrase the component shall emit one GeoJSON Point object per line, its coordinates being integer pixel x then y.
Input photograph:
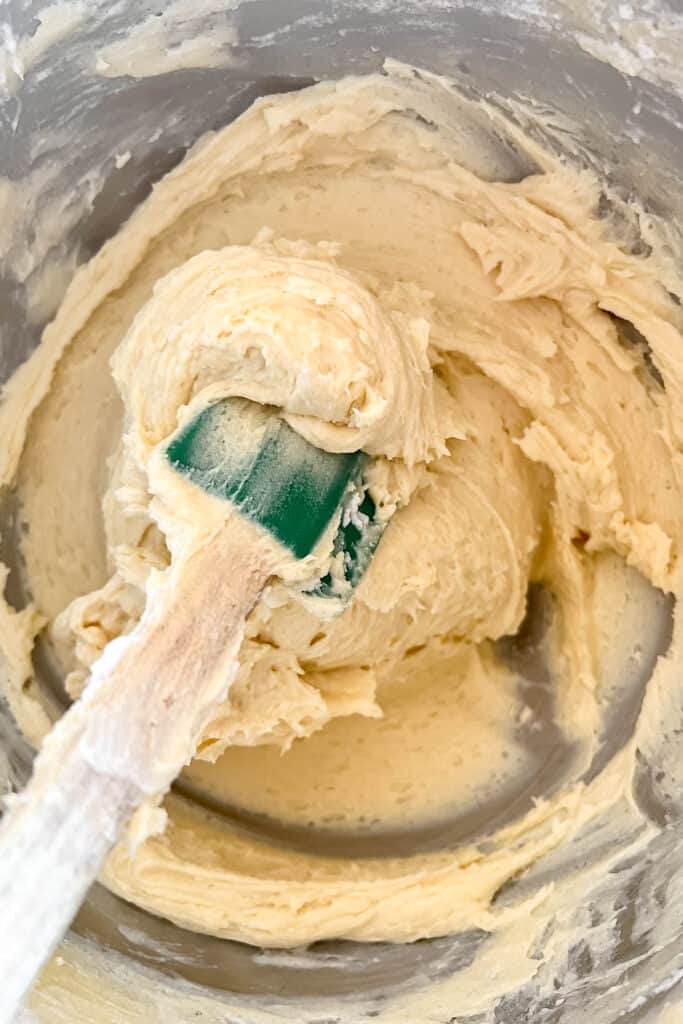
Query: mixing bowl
{"type": "Point", "coordinates": [98, 100]}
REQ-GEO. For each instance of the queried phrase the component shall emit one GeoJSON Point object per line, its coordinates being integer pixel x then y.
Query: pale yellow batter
{"type": "Point", "coordinates": [333, 255]}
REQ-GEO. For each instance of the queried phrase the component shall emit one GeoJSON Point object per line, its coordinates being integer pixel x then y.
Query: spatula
{"type": "Point", "coordinates": [150, 694]}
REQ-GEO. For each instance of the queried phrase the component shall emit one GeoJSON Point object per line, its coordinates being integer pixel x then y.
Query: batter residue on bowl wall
{"type": "Point", "coordinates": [336, 255]}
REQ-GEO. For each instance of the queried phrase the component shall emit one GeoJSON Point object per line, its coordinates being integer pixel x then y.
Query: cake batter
{"type": "Point", "coordinates": [331, 253]}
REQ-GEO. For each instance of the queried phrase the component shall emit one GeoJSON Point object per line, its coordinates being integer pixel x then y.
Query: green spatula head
{"type": "Point", "coordinates": [246, 453]}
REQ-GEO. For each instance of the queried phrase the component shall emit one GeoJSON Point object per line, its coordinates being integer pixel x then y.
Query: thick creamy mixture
{"type": "Point", "coordinates": [516, 374]}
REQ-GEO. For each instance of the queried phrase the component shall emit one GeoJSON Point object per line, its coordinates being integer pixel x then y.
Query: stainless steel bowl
{"type": "Point", "coordinates": [75, 135]}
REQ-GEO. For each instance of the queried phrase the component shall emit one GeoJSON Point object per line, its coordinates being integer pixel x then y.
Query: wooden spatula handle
{"type": "Point", "coordinates": [123, 741]}
{"type": "Point", "coordinates": [49, 855]}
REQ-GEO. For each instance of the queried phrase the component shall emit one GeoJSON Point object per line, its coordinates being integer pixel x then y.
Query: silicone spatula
{"type": "Point", "coordinates": [151, 693]}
